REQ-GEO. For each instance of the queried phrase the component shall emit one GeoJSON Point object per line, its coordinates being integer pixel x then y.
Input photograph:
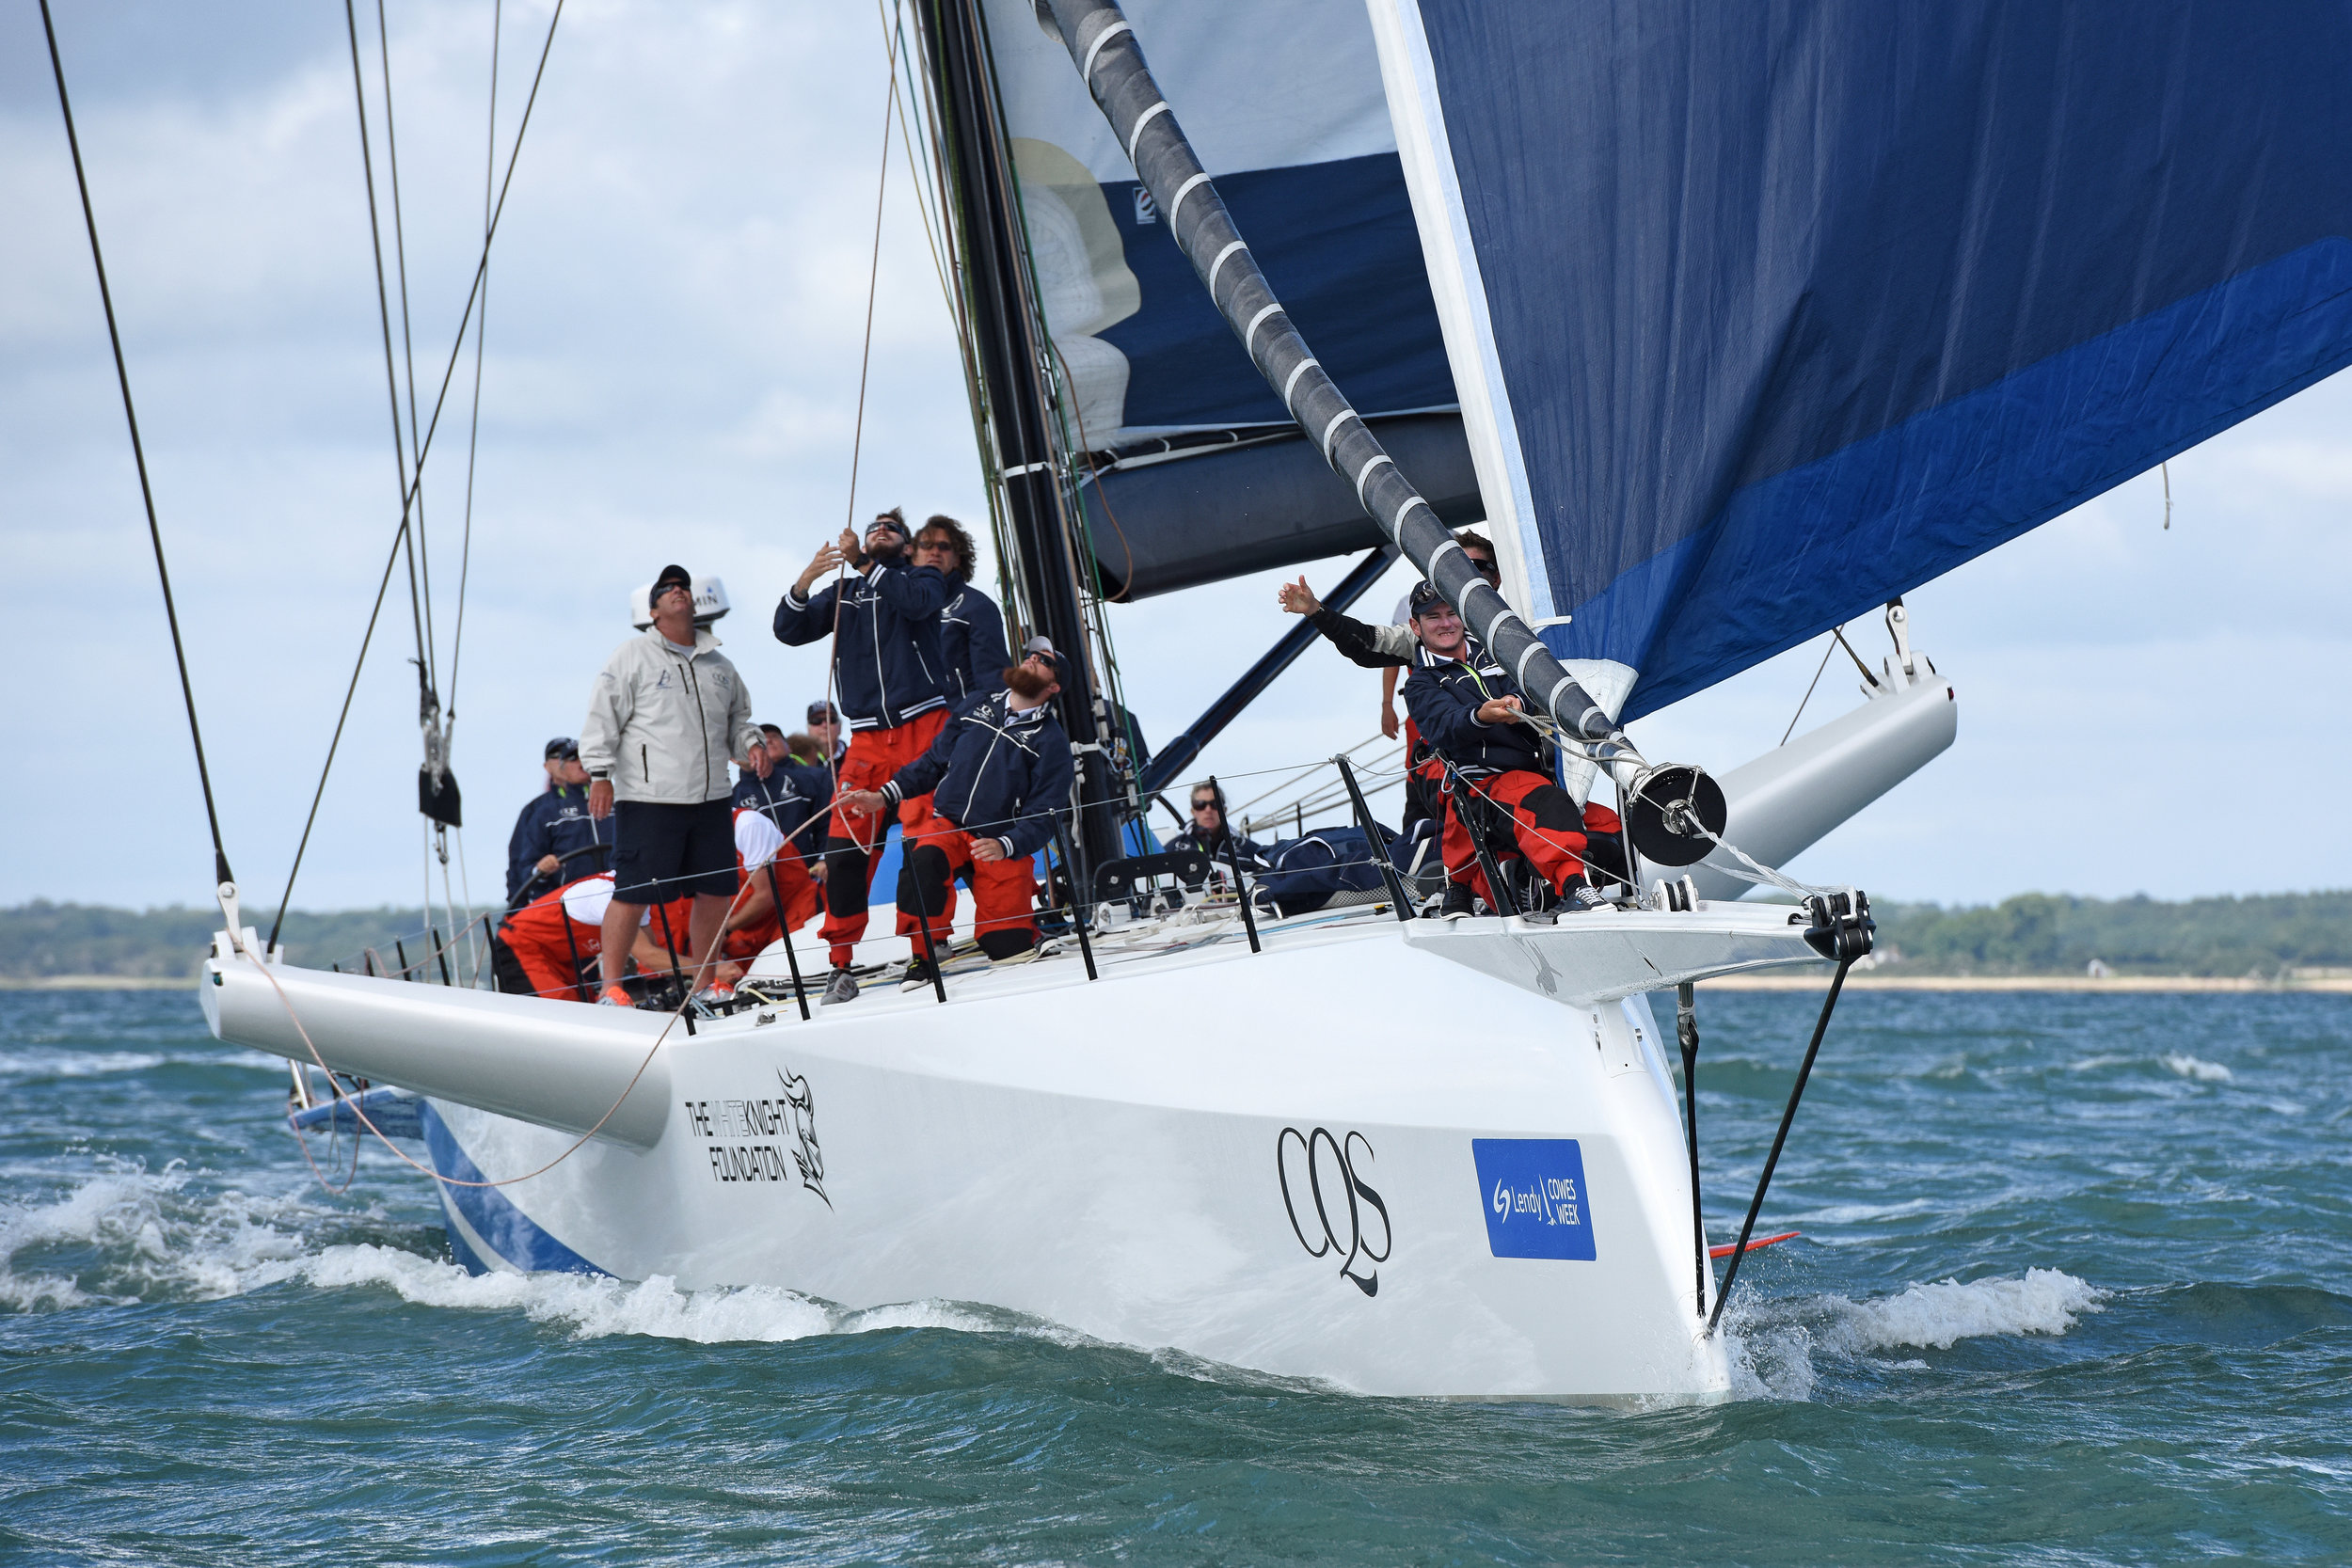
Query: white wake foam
{"type": "Point", "coordinates": [595, 1306]}
{"type": "Point", "coordinates": [1938, 1316]}
{"type": "Point", "coordinates": [2197, 1068]}
{"type": "Point", "coordinates": [1772, 1342]}
{"type": "Point", "coordinates": [129, 1235]}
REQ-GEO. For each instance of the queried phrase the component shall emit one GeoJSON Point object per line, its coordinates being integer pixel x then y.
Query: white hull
{"type": "Point", "coordinates": [1112, 1156]}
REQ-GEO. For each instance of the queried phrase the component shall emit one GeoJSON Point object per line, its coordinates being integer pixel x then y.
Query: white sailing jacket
{"type": "Point", "coordinates": [662, 727]}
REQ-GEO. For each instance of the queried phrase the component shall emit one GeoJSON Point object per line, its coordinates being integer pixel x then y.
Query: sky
{"type": "Point", "coordinates": [675, 317]}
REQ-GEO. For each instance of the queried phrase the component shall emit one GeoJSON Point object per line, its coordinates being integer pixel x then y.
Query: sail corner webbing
{"type": "Point", "coordinates": [1104, 47]}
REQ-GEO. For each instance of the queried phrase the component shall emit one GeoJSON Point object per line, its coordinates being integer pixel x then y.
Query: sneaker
{"type": "Point", "coordinates": [1460, 901]}
{"type": "Point", "coordinates": [919, 976]}
{"type": "Point", "coordinates": [615, 996]}
{"type": "Point", "coordinates": [840, 986]}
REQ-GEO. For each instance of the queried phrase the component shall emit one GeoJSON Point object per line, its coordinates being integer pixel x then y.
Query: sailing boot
{"type": "Point", "coordinates": [840, 986]}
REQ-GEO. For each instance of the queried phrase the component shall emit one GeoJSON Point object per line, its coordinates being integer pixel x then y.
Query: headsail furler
{"type": "Point", "coordinates": [1109, 59]}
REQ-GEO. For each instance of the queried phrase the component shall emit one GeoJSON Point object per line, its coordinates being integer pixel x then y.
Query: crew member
{"type": "Point", "coordinates": [1001, 770]}
{"type": "Point", "coordinates": [662, 720]}
{"type": "Point", "coordinates": [764, 860]}
{"type": "Point", "coordinates": [971, 628]}
{"type": "Point", "coordinates": [1210, 834]}
{"type": "Point", "coordinates": [1470, 711]}
{"type": "Point", "coordinates": [554, 827]}
{"type": "Point", "coordinates": [544, 948]}
{"type": "Point", "coordinates": [1389, 649]}
{"type": "Point", "coordinates": [824, 733]}
{"type": "Point", "coordinates": [793, 796]}
{"type": "Point", "coordinates": [891, 667]}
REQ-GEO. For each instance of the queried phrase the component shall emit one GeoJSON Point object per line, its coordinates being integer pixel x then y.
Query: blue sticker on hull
{"type": "Point", "coordinates": [1532, 1191]}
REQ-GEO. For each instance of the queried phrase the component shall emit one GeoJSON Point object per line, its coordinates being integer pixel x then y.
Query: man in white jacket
{"type": "Point", "coordinates": [666, 718]}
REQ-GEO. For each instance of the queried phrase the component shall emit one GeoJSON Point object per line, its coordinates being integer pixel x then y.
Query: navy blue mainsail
{"type": "Point", "coordinates": [1777, 310]}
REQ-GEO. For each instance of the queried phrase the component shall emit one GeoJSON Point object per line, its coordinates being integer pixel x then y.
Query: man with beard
{"type": "Point", "coordinates": [998, 777]}
{"type": "Point", "coordinates": [892, 668]}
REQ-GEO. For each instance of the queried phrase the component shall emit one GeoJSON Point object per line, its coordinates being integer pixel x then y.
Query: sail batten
{"type": "Point", "coordinates": [1793, 307]}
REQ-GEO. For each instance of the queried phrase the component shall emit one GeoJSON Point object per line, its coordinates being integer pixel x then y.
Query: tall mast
{"type": "Point", "coordinates": [1009, 355]}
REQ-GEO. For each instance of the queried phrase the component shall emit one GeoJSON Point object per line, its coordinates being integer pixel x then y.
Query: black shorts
{"type": "Point", "coordinates": [663, 852]}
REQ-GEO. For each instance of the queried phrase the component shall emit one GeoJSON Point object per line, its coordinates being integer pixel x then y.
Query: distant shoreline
{"type": "Point", "coordinates": [2174, 984]}
{"type": "Point", "coordinates": [1811, 980]}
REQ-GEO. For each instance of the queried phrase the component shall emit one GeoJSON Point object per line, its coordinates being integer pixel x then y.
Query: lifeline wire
{"type": "Point", "coordinates": [138, 455]}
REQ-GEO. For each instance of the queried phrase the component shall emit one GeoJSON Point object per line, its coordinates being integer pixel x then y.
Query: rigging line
{"type": "Point", "coordinates": [383, 305]}
{"type": "Point", "coordinates": [1826, 650]}
{"type": "Point", "coordinates": [513, 156]}
{"type": "Point", "coordinates": [383, 585]}
{"type": "Point", "coordinates": [482, 327]}
{"type": "Point", "coordinates": [138, 456]}
{"type": "Point", "coordinates": [857, 443]}
{"type": "Point", "coordinates": [906, 138]}
{"type": "Point", "coordinates": [1839, 633]}
{"type": "Point", "coordinates": [427, 655]}
{"type": "Point", "coordinates": [873, 281]}
{"type": "Point", "coordinates": [400, 533]}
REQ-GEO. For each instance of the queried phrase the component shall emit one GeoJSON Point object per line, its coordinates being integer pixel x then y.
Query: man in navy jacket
{"type": "Point", "coordinates": [1498, 786]}
{"type": "Point", "coordinates": [895, 688]}
{"type": "Point", "coordinates": [971, 628]}
{"type": "Point", "coordinates": [793, 796]}
{"type": "Point", "coordinates": [997, 776]}
{"type": "Point", "coordinates": [551, 827]}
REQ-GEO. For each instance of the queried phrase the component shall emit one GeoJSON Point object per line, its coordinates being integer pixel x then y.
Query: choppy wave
{"type": "Point", "coordinates": [1772, 1342]}
{"type": "Point", "coordinates": [2197, 1068]}
{"type": "Point", "coordinates": [130, 1235]}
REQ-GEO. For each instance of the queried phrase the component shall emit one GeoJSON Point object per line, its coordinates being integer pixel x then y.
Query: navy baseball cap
{"type": "Point", "coordinates": [564, 746]}
{"type": "Point", "coordinates": [1426, 597]}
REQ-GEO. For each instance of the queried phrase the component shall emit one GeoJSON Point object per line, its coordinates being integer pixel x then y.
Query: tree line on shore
{"type": "Point", "coordinates": [40, 939]}
{"type": "Point", "coordinates": [2033, 933]}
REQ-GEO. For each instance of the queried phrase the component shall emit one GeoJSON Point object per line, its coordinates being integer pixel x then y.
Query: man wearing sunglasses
{"type": "Point", "coordinates": [1392, 649]}
{"type": "Point", "coordinates": [1210, 834]}
{"type": "Point", "coordinates": [1472, 714]}
{"type": "Point", "coordinates": [891, 663]}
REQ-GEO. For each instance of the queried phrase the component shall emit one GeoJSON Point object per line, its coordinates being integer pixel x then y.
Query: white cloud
{"type": "Point", "coordinates": [675, 316]}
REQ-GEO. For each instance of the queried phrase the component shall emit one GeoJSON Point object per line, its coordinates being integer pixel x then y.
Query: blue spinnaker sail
{"type": "Point", "coordinates": [1784, 308]}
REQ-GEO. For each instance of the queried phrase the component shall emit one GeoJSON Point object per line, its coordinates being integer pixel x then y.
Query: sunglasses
{"type": "Point", "coordinates": [1204, 805]}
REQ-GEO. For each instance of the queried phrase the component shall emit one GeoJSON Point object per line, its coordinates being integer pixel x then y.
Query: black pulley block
{"type": "Point", "coordinates": [1842, 928]}
{"type": "Point", "coordinates": [1665, 810]}
{"type": "Point", "coordinates": [439, 799]}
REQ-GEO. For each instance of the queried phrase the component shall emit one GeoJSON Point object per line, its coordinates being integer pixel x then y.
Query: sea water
{"type": "Point", "coordinates": [2072, 1289]}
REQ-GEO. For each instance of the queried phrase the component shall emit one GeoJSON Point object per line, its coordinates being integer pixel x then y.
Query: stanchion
{"type": "Point", "coordinates": [1372, 836]}
{"type": "Point", "coordinates": [1077, 900]}
{"type": "Point", "coordinates": [669, 940]}
{"type": "Point", "coordinates": [1232, 858]}
{"type": "Point", "coordinates": [783, 924]}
